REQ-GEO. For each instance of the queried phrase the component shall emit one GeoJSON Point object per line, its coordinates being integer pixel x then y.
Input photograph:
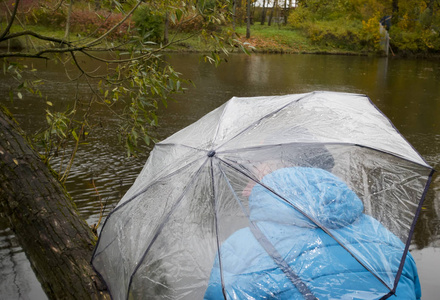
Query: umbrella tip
{"type": "Point", "coordinates": [211, 153]}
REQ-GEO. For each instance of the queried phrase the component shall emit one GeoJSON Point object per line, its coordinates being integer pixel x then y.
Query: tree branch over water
{"type": "Point", "coordinates": [8, 27]}
{"type": "Point", "coordinates": [129, 85]}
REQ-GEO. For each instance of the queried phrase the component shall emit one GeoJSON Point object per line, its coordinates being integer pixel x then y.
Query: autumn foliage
{"type": "Point", "coordinates": [85, 19]}
{"type": "Point", "coordinates": [414, 25]}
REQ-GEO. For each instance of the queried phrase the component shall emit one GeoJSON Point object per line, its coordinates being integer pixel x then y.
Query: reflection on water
{"type": "Point", "coordinates": [16, 276]}
{"type": "Point", "coordinates": [407, 91]}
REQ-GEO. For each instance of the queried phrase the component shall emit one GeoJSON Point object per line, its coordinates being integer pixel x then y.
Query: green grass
{"type": "Point", "coordinates": [190, 42]}
{"type": "Point", "coordinates": [272, 39]}
{"type": "Point", "coordinates": [279, 38]}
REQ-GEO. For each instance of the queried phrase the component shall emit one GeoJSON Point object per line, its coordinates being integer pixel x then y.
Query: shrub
{"type": "Point", "coordinates": [195, 22]}
{"type": "Point", "coordinates": [189, 23]}
{"type": "Point", "coordinates": [333, 34]}
{"type": "Point", "coordinates": [299, 17]}
{"type": "Point", "coordinates": [149, 23]}
{"type": "Point", "coordinates": [416, 31]}
{"type": "Point", "coordinates": [371, 35]}
{"type": "Point", "coordinates": [46, 17]}
{"type": "Point", "coordinates": [24, 7]}
{"type": "Point", "coordinates": [96, 23]}
{"type": "Point", "coordinates": [414, 41]}
{"type": "Point", "coordinates": [82, 20]}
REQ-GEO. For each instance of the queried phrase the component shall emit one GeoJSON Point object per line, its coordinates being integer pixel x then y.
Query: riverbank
{"type": "Point", "coordinates": [264, 39]}
{"type": "Point", "coordinates": [268, 39]}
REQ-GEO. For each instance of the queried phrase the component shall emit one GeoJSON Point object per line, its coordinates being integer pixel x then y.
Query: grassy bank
{"type": "Point", "coordinates": [284, 39]}
{"type": "Point", "coordinates": [264, 39]}
{"type": "Point", "coordinates": [318, 27]}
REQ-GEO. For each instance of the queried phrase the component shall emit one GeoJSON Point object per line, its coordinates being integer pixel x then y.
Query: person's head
{"type": "Point", "coordinates": [322, 196]}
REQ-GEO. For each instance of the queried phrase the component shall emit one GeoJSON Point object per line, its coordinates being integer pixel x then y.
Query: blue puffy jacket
{"type": "Point", "coordinates": [363, 268]}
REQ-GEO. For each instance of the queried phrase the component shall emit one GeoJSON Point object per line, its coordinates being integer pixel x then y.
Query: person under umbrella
{"type": "Point", "coordinates": [286, 254]}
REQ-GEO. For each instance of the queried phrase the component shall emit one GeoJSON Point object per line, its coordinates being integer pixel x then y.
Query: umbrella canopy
{"type": "Point", "coordinates": [286, 197]}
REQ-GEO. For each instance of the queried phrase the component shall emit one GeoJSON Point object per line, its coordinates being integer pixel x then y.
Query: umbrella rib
{"type": "Point", "coordinates": [219, 122]}
{"type": "Point", "coordinates": [322, 143]}
{"type": "Point", "coordinates": [411, 232]}
{"type": "Point", "coordinates": [180, 145]}
{"type": "Point", "coordinates": [162, 225]}
{"type": "Point", "coordinates": [310, 218]}
{"type": "Point", "coordinates": [216, 230]}
{"type": "Point", "coordinates": [272, 251]}
{"type": "Point", "coordinates": [261, 118]}
{"type": "Point", "coordinates": [395, 128]}
{"type": "Point", "coordinates": [95, 254]}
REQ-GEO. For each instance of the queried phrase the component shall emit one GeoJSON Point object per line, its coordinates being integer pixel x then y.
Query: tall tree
{"type": "Point", "coordinates": [274, 7]}
{"type": "Point", "coordinates": [234, 12]}
{"type": "Point", "coordinates": [263, 12]}
{"type": "Point", "coordinates": [69, 13]}
{"type": "Point", "coordinates": [248, 19]}
{"type": "Point", "coordinates": [166, 27]}
{"type": "Point", "coordinates": [395, 6]}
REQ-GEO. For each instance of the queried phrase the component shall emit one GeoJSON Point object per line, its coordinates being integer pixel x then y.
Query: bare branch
{"type": "Point", "coordinates": [60, 41]}
{"type": "Point", "coordinates": [91, 34]}
{"type": "Point", "coordinates": [14, 12]}
{"type": "Point", "coordinates": [94, 42]}
{"type": "Point", "coordinates": [57, 6]}
{"type": "Point", "coordinates": [83, 72]}
{"type": "Point", "coordinates": [38, 36]}
{"type": "Point", "coordinates": [20, 54]}
{"type": "Point", "coordinates": [22, 26]}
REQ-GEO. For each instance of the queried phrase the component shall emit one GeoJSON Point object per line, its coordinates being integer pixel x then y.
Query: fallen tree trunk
{"type": "Point", "coordinates": [56, 240]}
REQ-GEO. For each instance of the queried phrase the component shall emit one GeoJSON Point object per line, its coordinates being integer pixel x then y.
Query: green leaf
{"type": "Point", "coordinates": [179, 14]}
{"type": "Point", "coordinates": [147, 139]}
{"type": "Point", "coordinates": [75, 136]}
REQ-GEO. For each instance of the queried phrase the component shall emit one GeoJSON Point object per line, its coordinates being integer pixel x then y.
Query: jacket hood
{"type": "Point", "coordinates": [317, 193]}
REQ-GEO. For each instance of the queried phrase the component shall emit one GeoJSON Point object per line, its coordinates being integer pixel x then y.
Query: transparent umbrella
{"type": "Point", "coordinates": [300, 196]}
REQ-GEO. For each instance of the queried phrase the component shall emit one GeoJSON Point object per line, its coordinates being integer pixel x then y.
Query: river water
{"type": "Point", "coordinates": [407, 91]}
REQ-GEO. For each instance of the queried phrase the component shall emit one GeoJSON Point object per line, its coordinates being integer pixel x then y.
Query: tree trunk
{"type": "Point", "coordinates": [234, 8]}
{"type": "Point", "coordinates": [69, 13]}
{"type": "Point", "coordinates": [248, 21]}
{"type": "Point", "coordinates": [263, 13]}
{"type": "Point", "coordinates": [395, 6]}
{"type": "Point", "coordinates": [166, 25]}
{"type": "Point", "coordinates": [252, 12]}
{"type": "Point", "coordinates": [271, 12]}
{"type": "Point", "coordinates": [56, 240]}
